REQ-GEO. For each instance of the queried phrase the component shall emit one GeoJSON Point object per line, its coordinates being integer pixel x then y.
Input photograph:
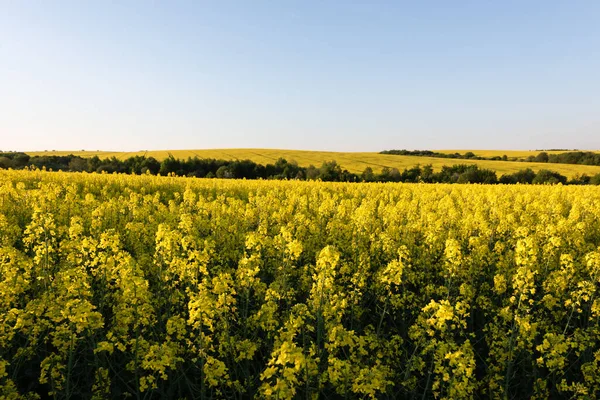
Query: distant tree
{"type": "Point", "coordinates": [522, 176]}
{"type": "Point", "coordinates": [384, 175]}
{"type": "Point", "coordinates": [368, 175]}
{"type": "Point", "coordinates": [394, 175]}
{"type": "Point", "coordinates": [551, 177]}
{"type": "Point", "coordinates": [595, 180]}
{"type": "Point", "coordinates": [477, 175]}
{"type": "Point", "coordinates": [312, 172]}
{"type": "Point", "coordinates": [542, 157]}
{"type": "Point", "coordinates": [170, 165]}
{"type": "Point", "coordinates": [105, 168]}
{"type": "Point", "coordinates": [6, 162]}
{"type": "Point", "coordinates": [281, 163]}
{"type": "Point", "coordinates": [21, 159]}
{"type": "Point", "coordinates": [330, 171]}
{"type": "Point", "coordinates": [390, 175]}
{"type": "Point", "coordinates": [413, 174]}
{"type": "Point", "coordinates": [78, 164]}
{"type": "Point", "coordinates": [284, 169]}
{"type": "Point", "coordinates": [347, 176]}
{"type": "Point", "coordinates": [93, 163]}
{"type": "Point", "coordinates": [224, 172]}
{"type": "Point", "coordinates": [427, 174]}
{"type": "Point", "coordinates": [241, 169]}
{"type": "Point", "coordinates": [579, 179]}
{"type": "Point", "coordinates": [151, 165]}
{"type": "Point", "coordinates": [450, 174]}
{"type": "Point", "coordinates": [469, 154]}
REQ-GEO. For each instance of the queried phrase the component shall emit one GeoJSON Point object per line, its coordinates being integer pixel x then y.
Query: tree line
{"type": "Point", "coordinates": [469, 155]}
{"type": "Point", "coordinates": [329, 171]}
{"type": "Point", "coordinates": [462, 173]}
{"type": "Point", "coordinates": [572, 157]}
{"type": "Point", "coordinates": [569, 157]}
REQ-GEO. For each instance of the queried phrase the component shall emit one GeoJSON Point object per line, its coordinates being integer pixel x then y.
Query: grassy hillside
{"type": "Point", "coordinates": [355, 162]}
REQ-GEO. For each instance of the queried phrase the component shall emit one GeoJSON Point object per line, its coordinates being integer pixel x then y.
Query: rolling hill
{"type": "Point", "coordinates": [355, 162]}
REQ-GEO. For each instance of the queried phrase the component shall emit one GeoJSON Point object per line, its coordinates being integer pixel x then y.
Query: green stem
{"type": "Point", "coordinates": [70, 368]}
{"type": "Point", "coordinates": [428, 380]}
{"type": "Point", "coordinates": [383, 314]}
{"type": "Point", "coordinates": [510, 351]}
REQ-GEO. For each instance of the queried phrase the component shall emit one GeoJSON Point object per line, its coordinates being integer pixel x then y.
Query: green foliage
{"type": "Point", "coordinates": [546, 176]}
{"type": "Point", "coordinates": [523, 176]}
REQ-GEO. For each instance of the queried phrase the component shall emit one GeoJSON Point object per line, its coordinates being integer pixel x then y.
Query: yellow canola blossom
{"type": "Point", "coordinates": [121, 286]}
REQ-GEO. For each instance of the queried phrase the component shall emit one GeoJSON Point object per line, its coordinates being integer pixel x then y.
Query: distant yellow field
{"type": "Point", "coordinates": [354, 162]}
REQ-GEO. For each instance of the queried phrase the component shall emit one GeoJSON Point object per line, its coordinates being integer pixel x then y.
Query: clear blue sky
{"type": "Point", "coordinates": [331, 75]}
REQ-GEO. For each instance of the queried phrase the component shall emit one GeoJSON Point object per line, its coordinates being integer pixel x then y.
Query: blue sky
{"type": "Point", "coordinates": [332, 75]}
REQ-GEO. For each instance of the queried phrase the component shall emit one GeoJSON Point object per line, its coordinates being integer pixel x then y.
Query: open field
{"type": "Point", "coordinates": [117, 286]}
{"type": "Point", "coordinates": [354, 162]}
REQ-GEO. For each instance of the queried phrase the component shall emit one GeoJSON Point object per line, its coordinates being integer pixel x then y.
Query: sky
{"type": "Point", "coordinates": [314, 75]}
